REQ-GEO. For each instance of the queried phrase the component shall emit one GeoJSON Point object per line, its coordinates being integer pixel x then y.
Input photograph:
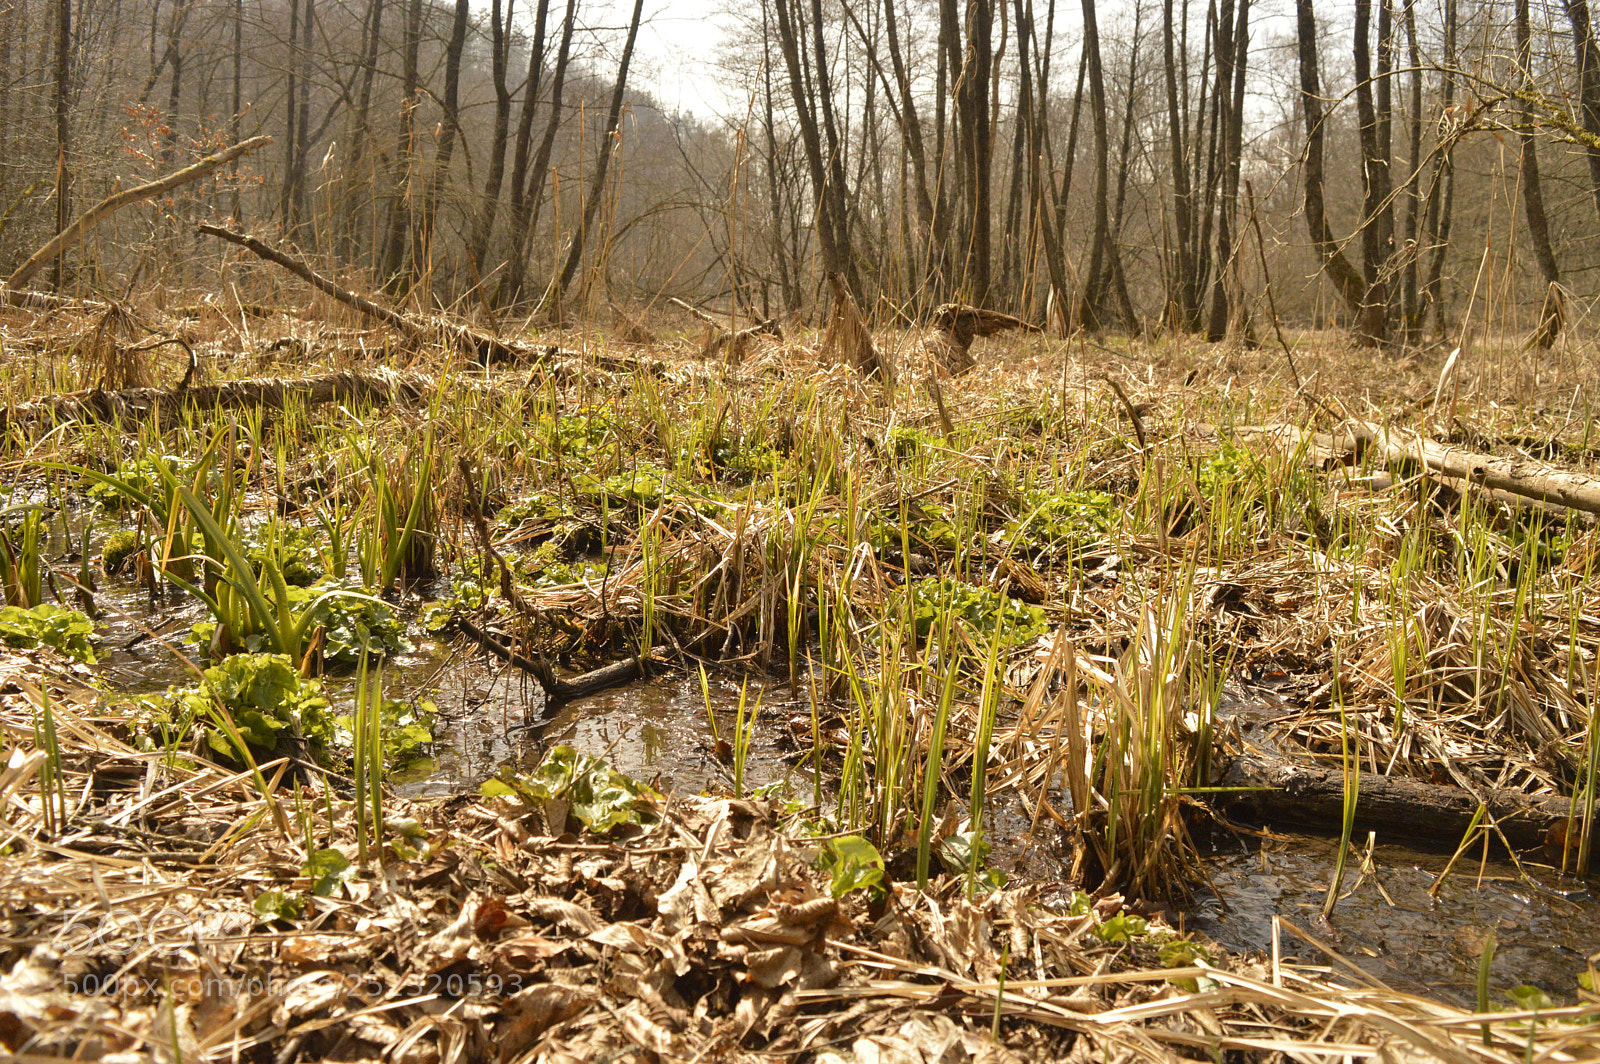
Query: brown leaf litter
{"type": "Point", "coordinates": [144, 930]}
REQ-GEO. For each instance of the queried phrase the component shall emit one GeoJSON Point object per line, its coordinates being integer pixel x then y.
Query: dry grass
{"type": "Point", "coordinates": [794, 509]}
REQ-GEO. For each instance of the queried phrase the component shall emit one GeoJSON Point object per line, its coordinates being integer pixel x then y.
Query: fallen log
{"type": "Point", "coordinates": [484, 348]}
{"type": "Point", "coordinates": [1309, 795]}
{"type": "Point", "coordinates": [1519, 481]}
{"type": "Point", "coordinates": [1525, 477]}
{"type": "Point", "coordinates": [956, 325]}
{"type": "Point", "coordinates": [73, 233]}
{"type": "Point", "coordinates": [101, 404]}
{"type": "Point", "coordinates": [555, 688]}
{"type": "Point", "coordinates": [27, 299]}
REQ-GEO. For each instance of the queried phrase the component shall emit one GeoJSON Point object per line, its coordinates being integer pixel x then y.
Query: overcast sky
{"type": "Point", "coordinates": [678, 44]}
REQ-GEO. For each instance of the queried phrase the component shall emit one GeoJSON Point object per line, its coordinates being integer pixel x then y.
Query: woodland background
{"type": "Point", "coordinates": [1400, 168]}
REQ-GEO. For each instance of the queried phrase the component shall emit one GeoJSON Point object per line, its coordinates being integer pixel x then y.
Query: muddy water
{"type": "Point", "coordinates": [1388, 923]}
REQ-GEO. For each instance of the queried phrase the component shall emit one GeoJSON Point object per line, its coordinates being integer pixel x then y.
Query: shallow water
{"type": "Point", "coordinates": [1545, 924]}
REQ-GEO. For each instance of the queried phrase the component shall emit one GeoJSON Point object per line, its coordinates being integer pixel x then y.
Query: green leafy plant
{"type": "Point", "coordinates": [327, 869]}
{"type": "Point", "coordinates": [598, 795]}
{"type": "Point", "coordinates": [1123, 927]}
{"type": "Point", "coordinates": [644, 487]}
{"type": "Point", "coordinates": [292, 551]}
{"type": "Point", "coordinates": [350, 621]}
{"type": "Point", "coordinates": [22, 559]}
{"type": "Point", "coordinates": [852, 863]}
{"type": "Point", "coordinates": [986, 613]}
{"type": "Point", "coordinates": [49, 625]}
{"type": "Point", "coordinates": [1061, 526]}
{"type": "Point", "coordinates": [263, 695]}
{"type": "Point", "coordinates": [966, 853]}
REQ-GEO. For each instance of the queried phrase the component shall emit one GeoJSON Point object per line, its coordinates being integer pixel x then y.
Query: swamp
{"type": "Point", "coordinates": [503, 561]}
{"type": "Point", "coordinates": [373, 693]}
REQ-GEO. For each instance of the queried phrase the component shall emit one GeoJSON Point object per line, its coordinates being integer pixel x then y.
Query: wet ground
{"type": "Point", "coordinates": [1391, 922]}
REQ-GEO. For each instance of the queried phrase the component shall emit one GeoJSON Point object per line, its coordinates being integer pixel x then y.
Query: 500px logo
{"type": "Point", "coordinates": [113, 929]}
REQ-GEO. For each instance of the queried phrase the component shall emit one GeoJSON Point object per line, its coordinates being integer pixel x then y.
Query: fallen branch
{"type": "Point", "coordinates": [1524, 477]}
{"type": "Point", "coordinates": [101, 404]}
{"type": "Point", "coordinates": [721, 337]}
{"type": "Point", "coordinates": [30, 300]}
{"type": "Point", "coordinates": [485, 348]}
{"type": "Point", "coordinates": [555, 688]}
{"type": "Point", "coordinates": [1296, 793]}
{"type": "Point", "coordinates": [956, 325]}
{"type": "Point", "coordinates": [1517, 480]}
{"type": "Point", "coordinates": [117, 200]}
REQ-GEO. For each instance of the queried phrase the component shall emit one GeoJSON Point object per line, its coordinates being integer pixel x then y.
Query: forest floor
{"type": "Point", "coordinates": [1061, 566]}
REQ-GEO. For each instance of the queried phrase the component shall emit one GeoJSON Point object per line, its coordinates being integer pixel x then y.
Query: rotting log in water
{"type": "Point", "coordinates": [1296, 793]}
{"type": "Point", "coordinates": [101, 404]}
{"type": "Point", "coordinates": [485, 348]}
{"type": "Point", "coordinates": [555, 688]}
{"type": "Point", "coordinates": [956, 325]}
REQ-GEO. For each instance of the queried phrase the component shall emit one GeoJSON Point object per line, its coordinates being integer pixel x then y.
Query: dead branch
{"type": "Point", "coordinates": [722, 338]}
{"type": "Point", "coordinates": [30, 300]}
{"type": "Point", "coordinates": [100, 404]}
{"type": "Point", "coordinates": [555, 688]}
{"type": "Point", "coordinates": [117, 200]}
{"type": "Point", "coordinates": [956, 325]}
{"type": "Point", "coordinates": [485, 348]}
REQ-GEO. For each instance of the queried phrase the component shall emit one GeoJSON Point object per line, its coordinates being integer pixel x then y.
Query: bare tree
{"type": "Point", "coordinates": [528, 175]}
{"type": "Point", "coordinates": [1550, 313]}
{"type": "Point", "coordinates": [608, 145]}
{"type": "Point", "coordinates": [63, 65]}
{"type": "Point", "coordinates": [1347, 281]}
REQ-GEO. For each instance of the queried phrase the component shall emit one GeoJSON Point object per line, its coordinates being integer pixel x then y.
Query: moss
{"type": "Point", "coordinates": [119, 547]}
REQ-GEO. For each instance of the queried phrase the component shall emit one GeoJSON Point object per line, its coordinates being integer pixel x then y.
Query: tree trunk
{"type": "Point", "coordinates": [832, 231]}
{"type": "Point", "coordinates": [63, 141]}
{"type": "Point", "coordinates": [973, 133]}
{"type": "Point", "coordinates": [933, 252]}
{"type": "Point", "coordinates": [1550, 312]}
{"type": "Point", "coordinates": [362, 132]}
{"type": "Point", "coordinates": [1182, 304]}
{"type": "Point", "coordinates": [1230, 91]}
{"type": "Point", "coordinates": [1373, 327]}
{"type": "Point", "coordinates": [483, 224]}
{"type": "Point", "coordinates": [1345, 278]}
{"type": "Point", "coordinates": [1441, 189]}
{"type": "Point", "coordinates": [591, 202]}
{"type": "Point", "coordinates": [1035, 118]}
{"type": "Point", "coordinates": [399, 241]}
{"type": "Point", "coordinates": [450, 104]}
{"type": "Point", "coordinates": [1587, 52]}
{"type": "Point", "coordinates": [291, 118]}
{"type": "Point", "coordinates": [1092, 311]}
{"type": "Point", "coordinates": [1410, 308]}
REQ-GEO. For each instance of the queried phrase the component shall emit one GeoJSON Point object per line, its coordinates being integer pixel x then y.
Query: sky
{"type": "Point", "coordinates": [675, 53]}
